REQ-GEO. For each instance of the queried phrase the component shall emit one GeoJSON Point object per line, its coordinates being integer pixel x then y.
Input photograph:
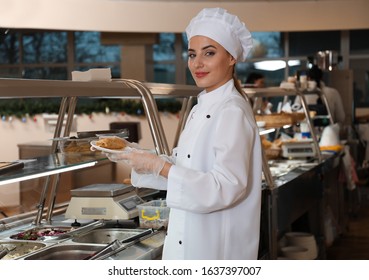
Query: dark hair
{"type": "Point", "coordinates": [253, 77]}
{"type": "Point", "coordinates": [315, 74]}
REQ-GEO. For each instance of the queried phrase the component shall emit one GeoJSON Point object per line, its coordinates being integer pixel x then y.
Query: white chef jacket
{"type": "Point", "coordinates": [214, 188]}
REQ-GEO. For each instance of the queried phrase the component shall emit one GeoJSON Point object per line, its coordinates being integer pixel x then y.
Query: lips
{"type": "Point", "coordinates": [201, 74]}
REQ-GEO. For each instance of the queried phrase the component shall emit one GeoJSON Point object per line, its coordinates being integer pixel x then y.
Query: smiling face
{"type": "Point", "coordinates": [210, 64]}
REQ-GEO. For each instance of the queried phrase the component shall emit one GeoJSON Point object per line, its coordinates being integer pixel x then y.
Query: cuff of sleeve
{"type": "Point", "coordinates": [175, 186]}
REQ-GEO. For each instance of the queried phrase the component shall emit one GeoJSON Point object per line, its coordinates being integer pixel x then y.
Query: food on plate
{"type": "Point", "coordinates": [112, 143]}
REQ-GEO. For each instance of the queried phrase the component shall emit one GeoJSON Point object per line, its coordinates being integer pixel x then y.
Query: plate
{"type": "Point", "coordinates": [118, 151]}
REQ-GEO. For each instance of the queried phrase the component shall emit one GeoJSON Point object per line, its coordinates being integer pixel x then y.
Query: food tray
{"type": "Point", "coordinates": [153, 214]}
{"type": "Point", "coordinates": [21, 249]}
{"type": "Point", "coordinates": [280, 119]}
{"type": "Point", "coordinates": [42, 233]}
{"type": "Point", "coordinates": [76, 146]}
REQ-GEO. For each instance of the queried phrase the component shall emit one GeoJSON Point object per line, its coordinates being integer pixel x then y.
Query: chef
{"type": "Point", "coordinates": [213, 177]}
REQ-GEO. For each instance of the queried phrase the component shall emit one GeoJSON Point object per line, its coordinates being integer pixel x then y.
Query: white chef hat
{"type": "Point", "coordinates": [224, 28]}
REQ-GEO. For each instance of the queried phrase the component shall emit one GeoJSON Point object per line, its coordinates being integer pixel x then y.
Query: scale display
{"type": "Point", "coordinates": [298, 149]}
{"type": "Point", "coordinates": [100, 201]}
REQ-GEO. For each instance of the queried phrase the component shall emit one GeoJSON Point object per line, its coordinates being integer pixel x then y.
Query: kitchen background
{"type": "Point", "coordinates": [144, 40]}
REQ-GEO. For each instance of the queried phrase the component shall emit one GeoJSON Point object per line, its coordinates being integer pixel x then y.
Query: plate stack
{"type": "Point", "coordinates": [303, 240]}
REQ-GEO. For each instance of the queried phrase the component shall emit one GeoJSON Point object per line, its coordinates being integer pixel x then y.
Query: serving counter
{"type": "Point", "coordinates": [291, 200]}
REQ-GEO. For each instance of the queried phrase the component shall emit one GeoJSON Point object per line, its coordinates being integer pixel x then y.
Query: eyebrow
{"type": "Point", "coordinates": [204, 48]}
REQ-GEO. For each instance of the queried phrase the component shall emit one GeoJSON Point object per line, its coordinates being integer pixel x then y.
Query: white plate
{"type": "Point", "coordinates": [124, 150]}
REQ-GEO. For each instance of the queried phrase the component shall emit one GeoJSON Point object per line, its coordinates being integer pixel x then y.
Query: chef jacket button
{"type": "Point", "coordinates": [176, 154]}
{"type": "Point", "coordinates": [208, 116]}
{"type": "Point", "coordinates": [188, 155]}
{"type": "Point", "coordinates": [180, 242]}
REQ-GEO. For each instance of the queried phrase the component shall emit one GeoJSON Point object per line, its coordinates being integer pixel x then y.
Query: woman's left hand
{"type": "Point", "coordinates": [142, 162]}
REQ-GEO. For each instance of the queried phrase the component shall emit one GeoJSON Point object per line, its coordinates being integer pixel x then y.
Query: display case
{"type": "Point", "coordinates": [294, 183]}
{"type": "Point", "coordinates": [51, 165]}
{"type": "Point", "coordinates": [286, 197]}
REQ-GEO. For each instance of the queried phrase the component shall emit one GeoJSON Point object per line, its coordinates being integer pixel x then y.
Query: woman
{"type": "Point", "coordinates": [213, 178]}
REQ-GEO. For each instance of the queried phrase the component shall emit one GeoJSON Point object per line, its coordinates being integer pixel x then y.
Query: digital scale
{"type": "Point", "coordinates": [104, 201]}
{"type": "Point", "coordinates": [298, 149]}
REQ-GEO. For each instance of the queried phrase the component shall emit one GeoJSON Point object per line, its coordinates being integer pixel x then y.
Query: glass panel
{"type": "Point", "coordinates": [359, 43]}
{"type": "Point", "coordinates": [184, 46]}
{"type": "Point", "coordinates": [49, 73]}
{"type": "Point", "coordinates": [189, 79]}
{"type": "Point", "coordinates": [267, 44]}
{"type": "Point", "coordinates": [88, 49]}
{"type": "Point", "coordinates": [165, 50]}
{"type": "Point", "coordinates": [308, 43]}
{"type": "Point", "coordinates": [272, 78]}
{"type": "Point", "coordinates": [296, 65]}
{"type": "Point", "coordinates": [50, 163]}
{"type": "Point", "coordinates": [360, 69]}
{"type": "Point", "coordinates": [10, 72]}
{"type": "Point", "coordinates": [42, 47]}
{"type": "Point", "coordinates": [164, 73]}
{"type": "Point", "coordinates": [9, 47]}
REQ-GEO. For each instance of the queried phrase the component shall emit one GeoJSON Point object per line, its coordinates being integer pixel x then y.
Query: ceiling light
{"type": "Point", "coordinates": [270, 65]}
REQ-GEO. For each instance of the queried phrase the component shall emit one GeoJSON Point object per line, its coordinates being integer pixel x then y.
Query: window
{"type": "Point", "coordinates": [308, 43]}
{"type": "Point", "coordinates": [359, 43]}
{"type": "Point", "coordinates": [165, 59]}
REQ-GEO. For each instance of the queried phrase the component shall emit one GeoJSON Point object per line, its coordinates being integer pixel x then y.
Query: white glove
{"type": "Point", "coordinates": [133, 145]}
{"type": "Point", "coordinates": [142, 162]}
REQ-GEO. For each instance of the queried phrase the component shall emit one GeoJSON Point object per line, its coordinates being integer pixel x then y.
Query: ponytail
{"type": "Point", "coordinates": [237, 85]}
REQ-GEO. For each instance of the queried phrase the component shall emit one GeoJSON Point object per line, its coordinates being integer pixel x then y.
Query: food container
{"type": "Point", "coordinates": [76, 146]}
{"type": "Point", "coordinates": [42, 233]}
{"type": "Point", "coordinates": [305, 240]}
{"type": "Point", "coordinates": [20, 248]}
{"type": "Point", "coordinates": [153, 214]}
{"type": "Point", "coordinates": [295, 253]}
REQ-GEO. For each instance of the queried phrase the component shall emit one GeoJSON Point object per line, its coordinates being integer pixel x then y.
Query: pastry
{"type": "Point", "coordinates": [112, 143]}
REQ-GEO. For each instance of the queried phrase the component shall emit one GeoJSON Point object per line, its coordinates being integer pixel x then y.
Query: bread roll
{"type": "Point", "coordinates": [113, 143]}
{"type": "Point", "coordinates": [265, 143]}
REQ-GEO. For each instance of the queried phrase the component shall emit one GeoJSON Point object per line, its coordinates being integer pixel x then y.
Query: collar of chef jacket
{"type": "Point", "coordinates": [211, 98]}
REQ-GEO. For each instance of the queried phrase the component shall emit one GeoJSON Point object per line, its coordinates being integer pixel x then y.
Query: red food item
{"type": "Point", "coordinates": [37, 234]}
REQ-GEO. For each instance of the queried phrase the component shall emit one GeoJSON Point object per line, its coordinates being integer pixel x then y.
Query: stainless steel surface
{"type": "Point", "coordinates": [107, 235]}
{"type": "Point", "coordinates": [65, 252]}
{"type": "Point", "coordinates": [144, 241]}
{"type": "Point", "coordinates": [102, 190]}
{"type": "Point", "coordinates": [152, 115]}
{"type": "Point", "coordinates": [112, 246]}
